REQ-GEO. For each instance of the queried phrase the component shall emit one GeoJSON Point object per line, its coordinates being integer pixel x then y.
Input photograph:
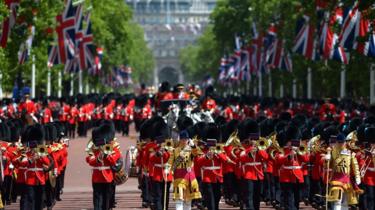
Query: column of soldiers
{"type": "Point", "coordinates": [282, 161]}
{"type": "Point", "coordinates": [34, 160]}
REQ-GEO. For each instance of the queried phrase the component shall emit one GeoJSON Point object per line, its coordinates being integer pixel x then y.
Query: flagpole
{"type": "Point", "coordinates": [59, 92]}
{"type": "Point", "coordinates": [1, 84]}
{"type": "Point", "coordinates": [71, 84]}
{"type": "Point", "coordinates": [343, 81]}
{"type": "Point", "coordinates": [294, 88]}
{"type": "Point", "coordinates": [372, 84]}
{"type": "Point", "coordinates": [49, 82]}
{"type": "Point", "coordinates": [270, 85]}
{"type": "Point", "coordinates": [309, 83]}
{"type": "Point", "coordinates": [260, 94]}
{"type": "Point", "coordinates": [80, 85]}
{"type": "Point", "coordinates": [33, 77]}
{"type": "Point", "coordinates": [87, 86]}
{"type": "Point", "coordinates": [281, 90]}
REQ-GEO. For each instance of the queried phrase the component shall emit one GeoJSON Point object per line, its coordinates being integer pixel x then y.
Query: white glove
{"type": "Point", "coordinates": [358, 180]}
{"type": "Point", "coordinates": [55, 172]}
{"type": "Point", "coordinates": [190, 143]}
{"type": "Point", "coordinates": [327, 157]}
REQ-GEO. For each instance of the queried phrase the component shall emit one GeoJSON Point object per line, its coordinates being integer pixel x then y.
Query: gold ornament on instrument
{"type": "Point", "coordinates": [41, 150]}
{"type": "Point", "coordinates": [314, 145]}
{"type": "Point", "coordinates": [168, 145]}
{"type": "Point", "coordinates": [302, 149]}
{"type": "Point", "coordinates": [263, 143]}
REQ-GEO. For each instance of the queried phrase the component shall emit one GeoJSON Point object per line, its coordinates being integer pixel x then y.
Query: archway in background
{"type": "Point", "coordinates": [169, 74]}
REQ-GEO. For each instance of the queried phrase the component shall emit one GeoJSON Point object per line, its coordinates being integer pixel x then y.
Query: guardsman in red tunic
{"type": "Point", "coordinates": [64, 114]}
{"type": "Point", "coordinates": [10, 154]}
{"type": "Point", "coordinates": [163, 94]}
{"type": "Point", "coordinates": [127, 115]}
{"type": "Point", "coordinates": [251, 162]}
{"type": "Point", "coordinates": [37, 162]}
{"type": "Point", "coordinates": [82, 120]}
{"type": "Point", "coordinates": [45, 114]}
{"type": "Point", "coordinates": [290, 163]}
{"type": "Point", "coordinates": [73, 117]}
{"type": "Point", "coordinates": [101, 160]}
{"type": "Point", "coordinates": [209, 104]}
{"type": "Point", "coordinates": [367, 167]}
{"type": "Point", "coordinates": [211, 168]}
{"type": "Point", "coordinates": [179, 92]}
{"type": "Point", "coordinates": [160, 166]}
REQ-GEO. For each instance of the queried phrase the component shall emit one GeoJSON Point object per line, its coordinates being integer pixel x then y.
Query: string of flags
{"type": "Point", "coordinates": [74, 45]}
{"type": "Point", "coordinates": [314, 41]}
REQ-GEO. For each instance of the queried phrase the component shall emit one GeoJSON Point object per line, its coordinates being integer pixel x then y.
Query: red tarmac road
{"type": "Point", "coordinates": [78, 191]}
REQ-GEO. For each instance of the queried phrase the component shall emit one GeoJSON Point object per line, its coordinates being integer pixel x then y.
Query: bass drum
{"type": "Point", "coordinates": [130, 159]}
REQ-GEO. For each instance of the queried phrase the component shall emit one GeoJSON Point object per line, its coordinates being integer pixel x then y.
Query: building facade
{"type": "Point", "coordinates": [169, 26]}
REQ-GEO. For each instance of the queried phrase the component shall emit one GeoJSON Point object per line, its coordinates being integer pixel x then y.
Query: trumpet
{"type": "Point", "coordinates": [107, 149]}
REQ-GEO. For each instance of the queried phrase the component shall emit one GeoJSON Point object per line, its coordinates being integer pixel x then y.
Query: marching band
{"type": "Point", "coordinates": [204, 148]}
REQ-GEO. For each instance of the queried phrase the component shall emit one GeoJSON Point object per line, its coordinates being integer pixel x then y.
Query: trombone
{"type": "Point", "coordinates": [369, 158]}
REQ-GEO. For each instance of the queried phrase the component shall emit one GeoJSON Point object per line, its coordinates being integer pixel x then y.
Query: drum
{"type": "Point", "coordinates": [121, 177]}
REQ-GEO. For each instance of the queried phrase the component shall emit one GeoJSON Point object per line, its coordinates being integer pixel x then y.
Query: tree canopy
{"type": "Point", "coordinates": [234, 17]}
{"type": "Point", "coordinates": [113, 30]}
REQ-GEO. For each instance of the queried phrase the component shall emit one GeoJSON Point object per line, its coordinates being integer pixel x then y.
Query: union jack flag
{"type": "Point", "coordinates": [367, 48]}
{"type": "Point", "coordinates": [350, 28]}
{"type": "Point", "coordinates": [223, 69]}
{"type": "Point", "coordinates": [24, 50]}
{"type": "Point", "coordinates": [9, 22]}
{"type": "Point", "coordinates": [328, 38]}
{"type": "Point", "coordinates": [305, 43]}
{"type": "Point", "coordinates": [86, 47]}
{"type": "Point", "coordinates": [245, 65]}
{"type": "Point", "coordinates": [66, 31]}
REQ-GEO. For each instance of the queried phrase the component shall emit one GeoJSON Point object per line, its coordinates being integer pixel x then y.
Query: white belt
{"type": "Point", "coordinates": [371, 169]}
{"type": "Point", "coordinates": [35, 169]}
{"type": "Point", "coordinates": [252, 164]}
{"type": "Point", "coordinates": [211, 168]}
{"type": "Point", "coordinates": [161, 165]}
{"type": "Point", "coordinates": [101, 168]}
{"type": "Point", "coordinates": [292, 167]}
{"type": "Point", "coordinates": [22, 168]}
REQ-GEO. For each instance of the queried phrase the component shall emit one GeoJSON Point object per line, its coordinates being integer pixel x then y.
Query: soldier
{"type": "Point", "coordinates": [179, 92]}
{"type": "Point", "coordinates": [290, 168]}
{"type": "Point", "coordinates": [160, 166]}
{"type": "Point", "coordinates": [102, 158]}
{"type": "Point", "coordinates": [37, 162]}
{"type": "Point", "coordinates": [210, 166]}
{"type": "Point", "coordinates": [185, 184]}
{"type": "Point", "coordinates": [251, 159]}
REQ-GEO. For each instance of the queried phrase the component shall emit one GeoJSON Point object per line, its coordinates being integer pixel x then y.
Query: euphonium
{"type": "Point", "coordinates": [313, 145]}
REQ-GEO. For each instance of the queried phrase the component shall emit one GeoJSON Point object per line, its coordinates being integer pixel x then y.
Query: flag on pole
{"type": "Point", "coordinates": [25, 48]}
{"type": "Point", "coordinates": [8, 22]}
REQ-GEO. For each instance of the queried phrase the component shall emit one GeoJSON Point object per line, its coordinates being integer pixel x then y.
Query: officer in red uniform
{"type": "Point", "coordinates": [37, 163]}
{"type": "Point", "coordinates": [127, 115]}
{"type": "Point", "coordinates": [251, 161]}
{"type": "Point", "coordinates": [72, 120]}
{"type": "Point", "coordinates": [211, 169]}
{"type": "Point", "coordinates": [163, 94]}
{"type": "Point", "coordinates": [290, 167]}
{"type": "Point", "coordinates": [101, 162]}
{"type": "Point", "coordinates": [367, 165]}
{"type": "Point", "coordinates": [209, 104]}
{"type": "Point", "coordinates": [160, 167]}
{"type": "Point", "coordinates": [179, 92]}
{"type": "Point", "coordinates": [45, 113]}
{"type": "Point", "coordinates": [64, 113]}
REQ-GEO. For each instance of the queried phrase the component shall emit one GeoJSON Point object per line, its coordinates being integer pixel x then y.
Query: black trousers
{"type": "Point", "coordinates": [102, 195]}
{"type": "Point", "coordinates": [229, 187]}
{"type": "Point", "coordinates": [211, 195]}
{"type": "Point", "coordinates": [7, 189]}
{"type": "Point", "coordinates": [290, 195]}
{"type": "Point", "coordinates": [251, 198]}
{"type": "Point", "coordinates": [50, 195]}
{"type": "Point", "coordinates": [125, 128]}
{"type": "Point", "coordinates": [33, 198]}
{"type": "Point", "coordinates": [113, 195]}
{"type": "Point", "coordinates": [158, 190]}
{"type": "Point", "coordinates": [21, 191]}
{"type": "Point", "coordinates": [269, 188]}
{"type": "Point", "coordinates": [369, 197]}
{"type": "Point", "coordinates": [82, 128]}
{"type": "Point", "coordinates": [146, 189]}
{"type": "Point", "coordinates": [305, 194]}
{"type": "Point", "coordinates": [72, 130]}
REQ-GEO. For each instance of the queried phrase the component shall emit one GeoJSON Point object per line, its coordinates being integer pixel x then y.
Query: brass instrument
{"type": "Point", "coordinates": [367, 162]}
{"type": "Point", "coordinates": [352, 138]}
{"type": "Point", "coordinates": [275, 146]}
{"type": "Point", "coordinates": [262, 143]}
{"type": "Point", "coordinates": [314, 145]}
{"type": "Point", "coordinates": [41, 150]}
{"type": "Point", "coordinates": [168, 145]}
{"type": "Point", "coordinates": [302, 149]}
{"type": "Point", "coordinates": [107, 149]}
